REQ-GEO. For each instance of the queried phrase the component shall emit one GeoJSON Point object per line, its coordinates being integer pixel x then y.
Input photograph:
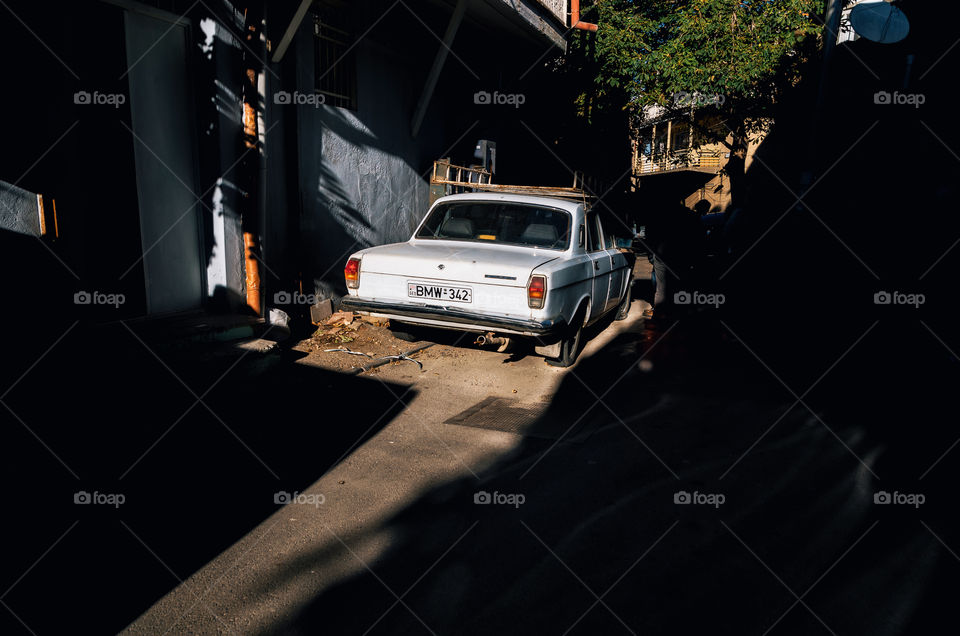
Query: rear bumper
{"type": "Point", "coordinates": [456, 318]}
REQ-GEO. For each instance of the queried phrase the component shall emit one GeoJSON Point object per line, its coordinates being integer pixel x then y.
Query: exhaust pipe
{"type": "Point", "coordinates": [493, 341]}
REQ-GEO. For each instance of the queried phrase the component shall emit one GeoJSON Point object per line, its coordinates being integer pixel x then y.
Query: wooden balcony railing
{"type": "Point", "coordinates": [699, 160]}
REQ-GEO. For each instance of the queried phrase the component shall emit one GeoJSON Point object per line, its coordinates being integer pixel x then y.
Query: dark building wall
{"type": "Point", "coordinates": [359, 171]}
{"type": "Point", "coordinates": [362, 176]}
{"type": "Point", "coordinates": [83, 154]}
{"type": "Point", "coordinates": [332, 179]}
{"type": "Point", "coordinates": [18, 210]}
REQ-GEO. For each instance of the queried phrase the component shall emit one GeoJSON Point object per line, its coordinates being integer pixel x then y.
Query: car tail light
{"type": "Point", "coordinates": [536, 291]}
{"type": "Point", "coordinates": [352, 273]}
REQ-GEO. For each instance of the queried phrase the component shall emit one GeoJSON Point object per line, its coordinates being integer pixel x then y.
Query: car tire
{"type": "Point", "coordinates": [570, 345]}
{"type": "Point", "coordinates": [624, 308]}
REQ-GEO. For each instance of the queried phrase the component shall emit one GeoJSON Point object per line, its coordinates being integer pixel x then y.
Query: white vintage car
{"type": "Point", "coordinates": [505, 266]}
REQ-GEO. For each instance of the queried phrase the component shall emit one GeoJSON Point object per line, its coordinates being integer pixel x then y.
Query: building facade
{"type": "Point", "coordinates": [210, 156]}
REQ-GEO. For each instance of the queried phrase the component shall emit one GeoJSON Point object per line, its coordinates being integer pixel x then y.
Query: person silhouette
{"type": "Point", "coordinates": [675, 240]}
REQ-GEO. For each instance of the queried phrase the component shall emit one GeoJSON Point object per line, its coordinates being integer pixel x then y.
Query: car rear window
{"type": "Point", "coordinates": [499, 222]}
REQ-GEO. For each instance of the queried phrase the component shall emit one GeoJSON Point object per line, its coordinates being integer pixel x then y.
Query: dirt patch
{"type": "Point", "coordinates": [362, 335]}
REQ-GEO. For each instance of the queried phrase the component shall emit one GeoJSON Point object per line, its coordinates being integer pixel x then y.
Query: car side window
{"type": "Point", "coordinates": [604, 239]}
{"type": "Point", "coordinates": [594, 237]}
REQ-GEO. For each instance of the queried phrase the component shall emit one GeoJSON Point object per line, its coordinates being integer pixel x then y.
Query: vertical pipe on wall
{"type": "Point", "coordinates": [438, 61]}
{"type": "Point", "coordinates": [575, 22]}
{"type": "Point", "coordinates": [250, 166]}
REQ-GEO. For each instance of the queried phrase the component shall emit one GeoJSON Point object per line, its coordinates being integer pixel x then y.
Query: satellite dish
{"type": "Point", "coordinates": [880, 22]}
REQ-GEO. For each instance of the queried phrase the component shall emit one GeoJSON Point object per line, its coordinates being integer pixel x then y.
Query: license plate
{"type": "Point", "coordinates": [440, 292]}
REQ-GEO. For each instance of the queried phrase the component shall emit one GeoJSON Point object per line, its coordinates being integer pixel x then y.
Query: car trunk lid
{"type": "Point", "coordinates": [457, 262]}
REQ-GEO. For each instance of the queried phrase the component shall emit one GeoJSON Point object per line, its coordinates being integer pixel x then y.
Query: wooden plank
{"type": "Point", "coordinates": [291, 30]}
{"type": "Point", "coordinates": [438, 63]}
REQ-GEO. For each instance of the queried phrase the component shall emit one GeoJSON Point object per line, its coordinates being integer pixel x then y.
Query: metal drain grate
{"type": "Point", "coordinates": [510, 416]}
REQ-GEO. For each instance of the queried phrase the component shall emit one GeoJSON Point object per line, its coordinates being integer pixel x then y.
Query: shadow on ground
{"type": "Point", "coordinates": [108, 415]}
{"type": "Point", "coordinates": [605, 543]}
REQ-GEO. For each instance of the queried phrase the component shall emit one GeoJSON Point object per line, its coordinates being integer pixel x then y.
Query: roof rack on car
{"type": "Point", "coordinates": [448, 178]}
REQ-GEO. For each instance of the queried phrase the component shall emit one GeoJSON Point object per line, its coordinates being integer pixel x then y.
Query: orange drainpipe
{"type": "Point", "coordinates": [575, 18]}
{"type": "Point", "coordinates": [250, 247]}
{"type": "Point", "coordinates": [253, 272]}
{"type": "Point", "coordinates": [249, 212]}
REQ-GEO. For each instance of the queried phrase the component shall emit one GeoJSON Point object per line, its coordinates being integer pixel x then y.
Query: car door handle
{"type": "Point", "coordinates": [596, 264]}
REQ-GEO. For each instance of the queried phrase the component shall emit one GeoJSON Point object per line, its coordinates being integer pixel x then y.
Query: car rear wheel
{"type": "Point", "coordinates": [570, 345]}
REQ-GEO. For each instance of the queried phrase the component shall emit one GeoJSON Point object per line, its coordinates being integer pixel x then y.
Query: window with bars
{"type": "Point", "coordinates": [335, 60]}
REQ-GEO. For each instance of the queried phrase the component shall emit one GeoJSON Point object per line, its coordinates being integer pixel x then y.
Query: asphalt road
{"type": "Point", "coordinates": [263, 581]}
{"type": "Point", "coordinates": [670, 482]}
{"type": "Point", "coordinates": [665, 484]}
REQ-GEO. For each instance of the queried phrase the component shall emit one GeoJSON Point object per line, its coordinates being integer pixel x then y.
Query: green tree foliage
{"type": "Point", "coordinates": [743, 53]}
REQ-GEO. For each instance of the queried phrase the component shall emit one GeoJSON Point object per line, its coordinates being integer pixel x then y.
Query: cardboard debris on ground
{"type": "Point", "coordinates": [338, 329]}
{"type": "Point", "coordinates": [340, 317]}
{"type": "Point", "coordinates": [321, 311]}
{"type": "Point", "coordinates": [346, 341]}
{"type": "Point", "coordinates": [342, 327]}
{"type": "Point", "coordinates": [375, 320]}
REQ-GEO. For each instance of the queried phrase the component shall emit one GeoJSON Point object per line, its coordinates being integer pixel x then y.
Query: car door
{"type": "Point", "coordinates": [602, 266]}
{"type": "Point", "coordinates": [618, 271]}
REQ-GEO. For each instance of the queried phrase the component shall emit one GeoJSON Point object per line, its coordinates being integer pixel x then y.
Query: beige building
{"type": "Point", "coordinates": [677, 158]}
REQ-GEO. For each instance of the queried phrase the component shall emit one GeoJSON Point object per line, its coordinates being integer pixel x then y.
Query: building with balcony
{"type": "Point", "coordinates": [677, 155]}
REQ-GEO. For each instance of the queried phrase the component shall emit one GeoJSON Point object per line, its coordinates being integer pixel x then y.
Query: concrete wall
{"type": "Point", "coordinates": [557, 7]}
{"type": "Point", "coordinates": [219, 83]}
{"type": "Point", "coordinates": [335, 180]}
{"type": "Point", "coordinates": [716, 193]}
{"type": "Point", "coordinates": [361, 173]}
{"type": "Point", "coordinates": [18, 210]}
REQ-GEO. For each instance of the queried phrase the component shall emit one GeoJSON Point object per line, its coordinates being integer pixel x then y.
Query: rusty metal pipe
{"type": "Point", "coordinates": [251, 166]}
{"type": "Point", "coordinates": [575, 22]}
{"type": "Point", "coordinates": [494, 341]}
{"type": "Point", "coordinates": [252, 267]}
